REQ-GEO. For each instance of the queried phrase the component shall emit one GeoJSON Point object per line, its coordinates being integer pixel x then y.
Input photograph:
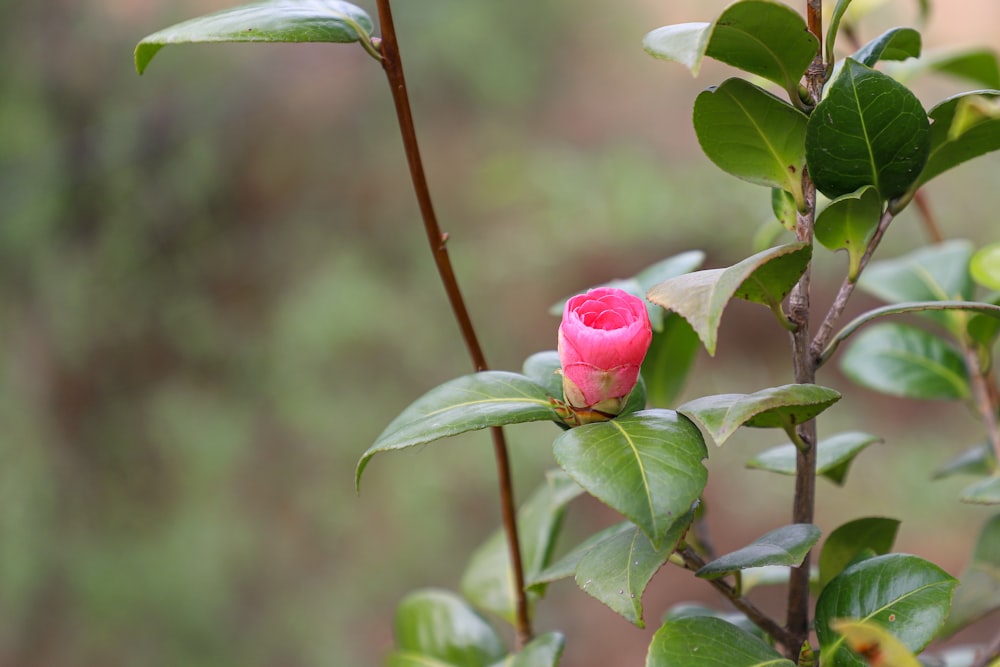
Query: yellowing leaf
{"type": "Point", "coordinates": [875, 644]}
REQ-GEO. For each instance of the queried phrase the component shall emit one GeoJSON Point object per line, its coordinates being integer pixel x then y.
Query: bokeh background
{"type": "Point", "coordinates": [215, 292]}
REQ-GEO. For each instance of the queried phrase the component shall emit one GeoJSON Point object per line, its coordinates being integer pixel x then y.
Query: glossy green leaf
{"type": "Point", "coordinates": [543, 651]}
{"type": "Point", "coordinates": [647, 466]}
{"type": "Point", "coordinates": [436, 627]}
{"type": "Point", "coordinates": [904, 594]}
{"type": "Point", "coordinates": [976, 64]}
{"type": "Point", "coordinates": [691, 610]}
{"type": "Point", "coordinates": [834, 456]}
{"type": "Point", "coordinates": [617, 569]}
{"type": "Point", "coordinates": [869, 130]}
{"type": "Point", "coordinates": [876, 644]}
{"type": "Point", "coordinates": [975, 461]}
{"type": "Point", "coordinates": [902, 360]}
{"type": "Point", "coordinates": [985, 266]}
{"type": "Point", "coordinates": [894, 44]}
{"type": "Point", "coordinates": [978, 594]}
{"type": "Point", "coordinates": [870, 534]}
{"type": "Point", "coordinates": [787, 545]}
{"type": "Point", "coordinates": [985, 492]}
{"type": "Point", "coordinates": [761, 37]}
{"type": "Point", "coordinates": [833, 27]}
{"type": "Point", "coordinates": [468, 403]}
{"type": "Point", "coordinates": [751, 134]}
{"type": "Point", "coordinates": [542, 368]}
{"type": "Point", "coordinates": [652, 275]}
{"type": "Point", "coordinates": [776, 407]}
{"type": "Point", "coordinates": [702, 296]}
{"type": "Point", "coordinates": [268, 21]}
{"type": "Point", "coordinates": [669, 359]}
{"type": "Point", "coordinates": [848, 223]}
{"type": "Point", "coordinates": [704, 641]}
{"type": "Point", "coordinates": [488, 582]}
{"type": "Point", "coordinates": [964, 127]}
{"type": "Point", "coordinates": [984, 311]}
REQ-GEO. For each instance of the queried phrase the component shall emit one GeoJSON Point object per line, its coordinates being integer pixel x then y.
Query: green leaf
{"type": "Point", "coordinates": [691, 610]}
{"type": "Point", "coordinates": [640, 283]}
{"type": "Point", "coordinates": [978, 594]}
{"type": "Point", "coordinates": [931, 273]}
{"type": "Point", "coordinates": [751, 134]}
{"type": "Point", "coordinates": [869, 130]}
{"type": "Point", "coordinates": [904, 594]}
{"type": "Point", "coordinates": [985, 266]}
{"type": "Point", "coordinates": [269, 21]}
{"type": "Point", "coordinates": [702, 296]}
{"type": "Point", "coordinates": [436, 627]}
{"type": "Point", "coordinates": [834, 456]}
{"type": "Point", "coordinates": [848, 223]}
{"type": "Point", "coordinates": [488, 581]}
{"type": "Point", "coordinates": [978, 331]}
{"type": "Point", "coordinates": [874, 535]}
{"type": "Point", "coordinates": [617, 569]}
{"type": "Point", "coordinates": [647, 466]}
{"type": "Point", "coordinates": [875, 643]}
{"type": "Point", "coordinates": [894, 44]}
{"type": "Point", "coordinates": [785, 210]}
{"type": "Point", "coordinates": [761, 37]}
{"type": "Point", "coordinates": [704, 641]}
{"type": "Point", "coordinates": [543, 651]}
{"type": "Point", "coordinates": [964, 127]}
{"type": "Point", "coordinates": [668, 360]}
{"type": "Point", "coordinates": [777, 407]}
{"type": "Point", "coordinates": [977, 65]}
{"type": "Point", "coordinates": [975, 461]}
{"type": "Point", "coordinates": [833, 28]}
{"type": "Point", "coordinates": [468, 403]}
{"type": "Point", "coordinates": [902, 360]}
{"type": "Point", "coordinates": [542, 368]}
{"type": "Point", "coordinates": [787, 545]}
{"type": "Point", "coordinates": [985, 492]}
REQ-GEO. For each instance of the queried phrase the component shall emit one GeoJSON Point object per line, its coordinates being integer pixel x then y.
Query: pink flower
{"type": "Point", "coordinates": [603, 339]}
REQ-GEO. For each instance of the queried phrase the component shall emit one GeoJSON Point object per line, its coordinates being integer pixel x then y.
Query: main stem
{"type": "Point", "coordinates": [797, 623]}
{"type": "Point", "coordinates": [393, 66]}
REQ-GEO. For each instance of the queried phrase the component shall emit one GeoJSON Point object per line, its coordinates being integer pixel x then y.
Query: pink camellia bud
{"type": "Point", "coordinates": [603, 339]}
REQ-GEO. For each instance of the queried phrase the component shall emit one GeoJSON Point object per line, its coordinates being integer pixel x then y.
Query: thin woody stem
{"type": "Point", "coordinates": [393, 67]}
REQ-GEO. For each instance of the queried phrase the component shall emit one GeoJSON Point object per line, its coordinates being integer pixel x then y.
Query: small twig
{"type": "Point", "coordinates": [825, 332]}
{"type": "Point", "coordinates": [984, 396]}
{"type": "Point", "coordinates": [393, 67]}
{"type": "Point", "coordinates": [695, 562]}
{"type": "Point", "coordinates": [927, 217]}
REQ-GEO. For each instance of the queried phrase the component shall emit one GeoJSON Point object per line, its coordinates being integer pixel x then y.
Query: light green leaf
{"type": "Point", "coordinates": [975, 461]}
{"type": "Point", "coordinates": [647, 466]}
{"type": "Point", "coordinates": [834, 455]}
{"type": "Point", "coordinates": [761, 37]}
{"type": "Point", "coordinates": [436, 627]}
{"type": "Point", "coordinates": [785, 210]}
{"type": "Point", "coordinates": [777, 407]}
{"type": "Point", "coordinates": [964, 127]}
{"type": "Point", "coordinates": [542, 368]}
{"type": "Point", "coordinates": [869, 130]}
{"type": "Point", "coordinates": [488, 582]}
{"type": "Point", "coordinates": [543, 651]}
{"type": "Point", "coordinates": [751, 134]}
{"type": "Point", "coordinates": [702, 296]}
{"type": "Point", "coordinates": [833, 28]}
{"type": "Point", "coordinates": [978, 594]}
{"type": "Point", "coordinates": [668, 360]}
{"type": "Point", "coordinates": [977, 65]}
{"type": "Point", "coordinates": [704, 641]}
{"type": "Point", "coordinates": [848, 223]}
{"type": "Point", "coordinates": [617, 568]}
{"type": "Point", "coordinates": [985, 266]}
{"type": "Point", "coordinates": [932, 273]}
{"type": "Point", "coordinates": [874, 535]}
{"type": "Point", "coordinates": [904, 594]}
{"type": "Point", "coordinates": [269, 21]}
{"type": "Point", "coordinates": [902, 360]}
{"type": "Point", "coordinates": [787, 545]}
{"type": "Point", "coordinates": [985, 492]}
{"type": "Point", "coordinates": [894, 44]}
{"type": "Point", "coordinates": [469, 403]}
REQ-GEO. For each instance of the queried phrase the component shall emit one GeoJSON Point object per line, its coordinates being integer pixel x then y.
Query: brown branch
{"type": "Point", "coordinates": [392, 65]}
{"type": "Point", "coordinates": [695, 562]}
{"type": "Point", "coordinates": [985, 397]}
{"type": "Point", "coordinates": [927, 217]}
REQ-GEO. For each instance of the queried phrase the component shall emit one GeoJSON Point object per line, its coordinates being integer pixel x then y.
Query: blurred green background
{"type": "Point", "coordinates": [215, 292]}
